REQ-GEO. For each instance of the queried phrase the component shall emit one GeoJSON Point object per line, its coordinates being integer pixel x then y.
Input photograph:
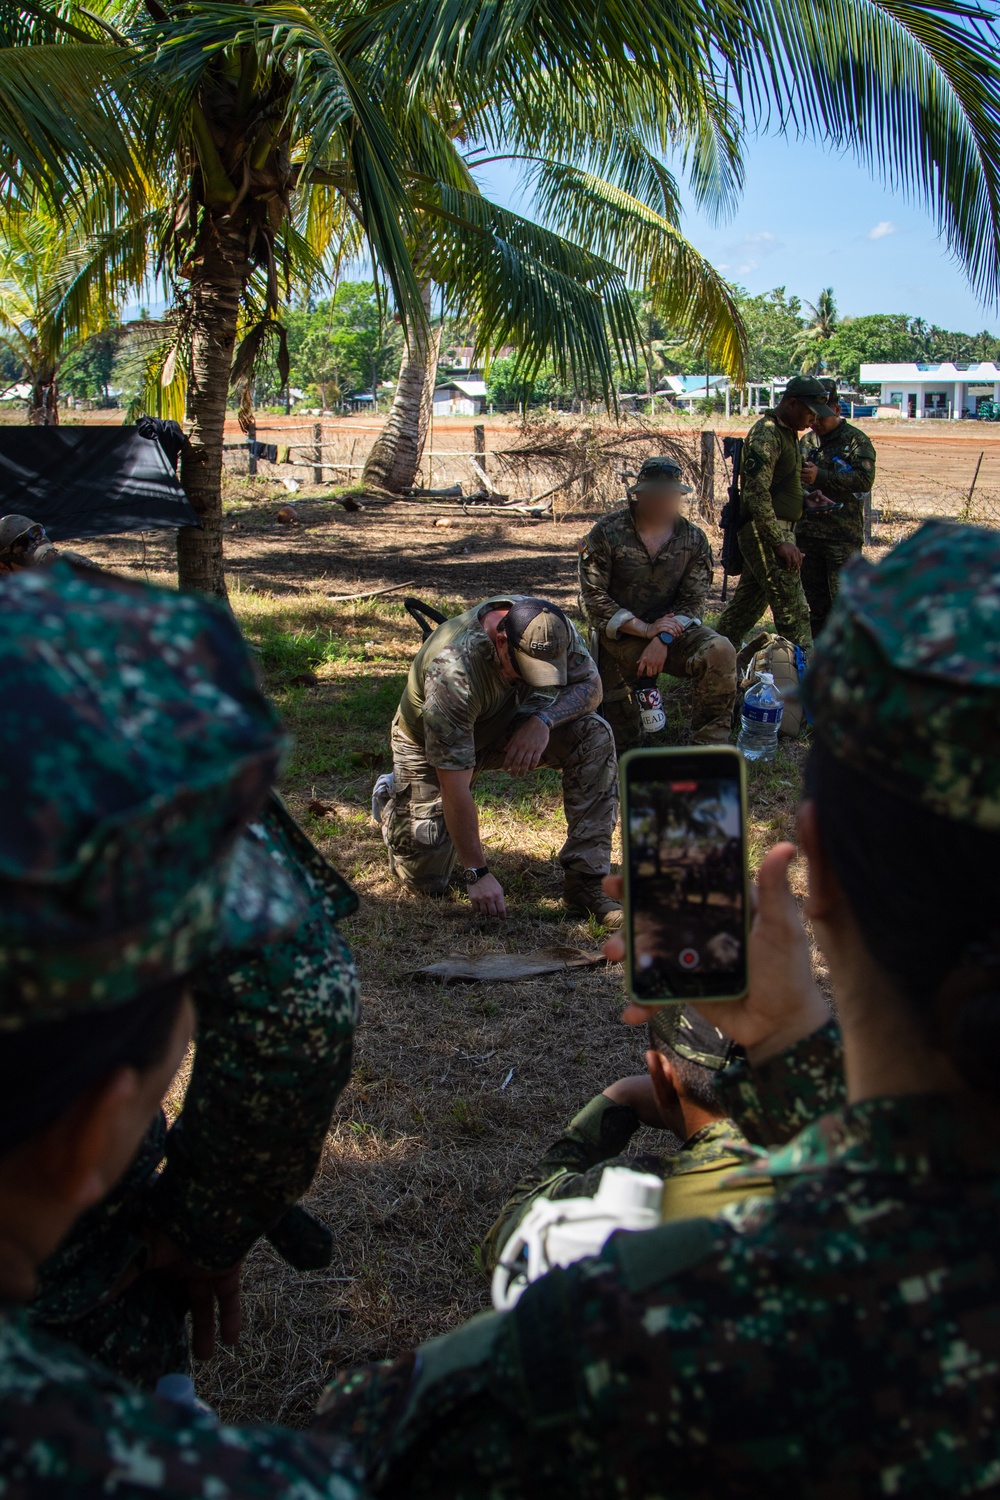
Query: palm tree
{"type": "Point", "coordinates": [605, 211]}
{"type": "Point", "coordinates": [822, 321]}
{"type": "Point", "coordinates": [257, 134]}
{"type": "Point", "coordinates": [36, 259]}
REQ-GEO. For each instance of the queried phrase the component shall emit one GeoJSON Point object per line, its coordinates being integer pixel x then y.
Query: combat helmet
{"type": "Point", "coordinates": [19, 537]}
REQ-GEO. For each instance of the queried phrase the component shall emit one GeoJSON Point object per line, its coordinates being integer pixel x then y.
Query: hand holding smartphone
{"type": "Point", "coordinates": [685, 871]}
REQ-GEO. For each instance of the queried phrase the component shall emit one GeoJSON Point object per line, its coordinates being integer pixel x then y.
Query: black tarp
{"type": "Point", "coordinates": [89, 481]}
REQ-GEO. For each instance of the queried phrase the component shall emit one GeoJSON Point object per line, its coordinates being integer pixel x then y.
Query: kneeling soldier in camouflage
{"type": "Point", "coordinates": [508, 685]}
{"type": "Point", "coordinates": [645, 572]}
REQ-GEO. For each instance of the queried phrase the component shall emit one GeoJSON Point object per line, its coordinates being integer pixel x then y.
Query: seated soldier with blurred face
{"type": "Point", "coordinates": [681, 1093]}
{"type": "Point", "coordinates": [645, 572]}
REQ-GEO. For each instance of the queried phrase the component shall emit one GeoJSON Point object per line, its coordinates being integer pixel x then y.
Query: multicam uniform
{"type": "Point", "coordinates": [771, 501]}
{"type": "Point", "coordinates": [618, 580]}
{"type": "Point", "coordinates": [456, 714]}
{"type": "Point", "coordinates": [845, 464]}
{"type": "Point", "coordinates": [275, 1040]}
{"type": "Point", "coordinates": [695, 1178]}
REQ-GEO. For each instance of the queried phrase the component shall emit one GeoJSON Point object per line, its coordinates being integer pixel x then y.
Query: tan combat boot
{"type": "Point", "coordinates": [583, 896]}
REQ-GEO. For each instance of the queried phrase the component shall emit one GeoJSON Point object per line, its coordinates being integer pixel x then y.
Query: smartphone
{"type": "Point", "coordinates": [685, 869]}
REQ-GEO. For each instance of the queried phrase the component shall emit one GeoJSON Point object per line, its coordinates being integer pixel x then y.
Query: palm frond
{"type": "Point", "coordinates": [59, 120]}
{"type": "Point", "coordinates": [684, 289]}
{"type": "Point", "coordinates": [524, 285]}
{"type": "Point", "coordinates": [912, 87]}
{"type": "Point", "coordinates": [623, 135]}
{"type": "Point", "coordinates": [324, 103]}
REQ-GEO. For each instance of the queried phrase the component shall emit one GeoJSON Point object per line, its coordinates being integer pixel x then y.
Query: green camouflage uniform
{"type": "Point", "coordinates": [771, 503]}
{"type": "Point", "coordinates": [135, 746]}
{"type": "Point", "coordinates": [695, 1178]}
{"type": "Point", "coordinates": [845, 463]}
{"type": "Point", "coordinates": [618, 581]}
{"type": "Point", "coordinates": [275, 1040]}
{"type": "Point", "coordinates": [456, 714]}
{"type": "Point", "coordinates": [840, 1338]}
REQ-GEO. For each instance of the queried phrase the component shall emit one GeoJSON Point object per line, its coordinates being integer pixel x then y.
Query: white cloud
{"type": "Point", "coordinates": [881, 229]}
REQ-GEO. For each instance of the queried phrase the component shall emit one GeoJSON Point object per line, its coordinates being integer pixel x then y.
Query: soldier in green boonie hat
{"type": "Point", "coordinates": [137, 754]}
{"type": "Point", "coordinates": [907, 687]}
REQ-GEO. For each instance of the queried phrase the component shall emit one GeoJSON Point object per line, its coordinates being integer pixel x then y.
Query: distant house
{"type": "Point", "coordinates": [687, 390]}
{"type": "Point", "coordinates": [460, 398]}
{"type": "Point", "coordinates": [460, 359]}
{"type": "Point", "coordinates": [950, 389]}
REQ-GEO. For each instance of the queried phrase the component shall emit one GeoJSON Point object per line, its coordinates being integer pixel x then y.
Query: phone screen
{"type": "Point", "coordinates": [686, 885]}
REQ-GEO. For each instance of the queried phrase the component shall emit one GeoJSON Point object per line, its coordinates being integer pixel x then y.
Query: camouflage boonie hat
{"type": "Point", "coordinates": [656, 474]}
{"type": "Point", "coordinates": [691, 1036]}
{"type": "Point", "coordinates": [135, 746]}
{"type": "Point", "coordinates": [904, 683]}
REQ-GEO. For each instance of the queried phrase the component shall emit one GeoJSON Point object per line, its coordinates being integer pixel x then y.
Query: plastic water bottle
{"type": "Point", "coordinates": [760, 719]}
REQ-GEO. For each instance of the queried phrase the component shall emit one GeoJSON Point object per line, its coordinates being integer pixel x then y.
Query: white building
{"type": "Point", "coordinates": [935, 390]}
{"type": "Point", "coordinates": [688, 390]}
{"type": "Point", "coordinates": [460, 398]}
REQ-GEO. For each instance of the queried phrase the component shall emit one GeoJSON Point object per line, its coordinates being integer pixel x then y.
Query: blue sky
{"type": "Point", "coordinates": [809, 219]}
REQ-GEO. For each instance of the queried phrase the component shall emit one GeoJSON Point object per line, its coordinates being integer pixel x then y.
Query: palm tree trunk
{"type": "Point", "coordinates": [217, 282]}
{"type": "Point", "coordinates": [395, 457]}
{"type": "Point", "coordinates": [43, 405]}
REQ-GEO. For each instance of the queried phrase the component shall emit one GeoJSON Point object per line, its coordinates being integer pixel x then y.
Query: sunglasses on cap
{"type": "Point", "coordinates": [26, 541]}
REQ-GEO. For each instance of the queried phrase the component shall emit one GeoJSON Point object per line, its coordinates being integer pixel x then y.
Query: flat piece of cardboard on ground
{"type": "Point", "coordinates": [500, 967]}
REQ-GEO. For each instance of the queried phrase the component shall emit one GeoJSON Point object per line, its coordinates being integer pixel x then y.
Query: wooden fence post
{"type": "Point", "coordinates": [251, 455]}
{"type": "Point", "coordinates": [317, 453]}
{"type": "Point", "coordinates": [479, 443]}
{"type": "Point", "coordinates": [706, 487]}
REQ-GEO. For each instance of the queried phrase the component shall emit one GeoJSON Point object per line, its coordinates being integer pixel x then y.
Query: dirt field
{"type": "Point", "coordinates": [454, 1089]}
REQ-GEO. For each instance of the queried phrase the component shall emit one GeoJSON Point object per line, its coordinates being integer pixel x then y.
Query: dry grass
{"type": "Point", "coordinates": [426, 1141]}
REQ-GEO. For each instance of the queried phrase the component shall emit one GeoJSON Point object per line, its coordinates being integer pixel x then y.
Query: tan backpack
{"type": "Point", "coordinates": [787, 664]}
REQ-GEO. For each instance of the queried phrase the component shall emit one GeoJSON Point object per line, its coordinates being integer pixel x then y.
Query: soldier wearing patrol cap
{"type": "Point", "coordinates": [137, 753]}
{"type": "Point", "coordinates": [676, 1094]}
{"type": "Point", "coordinates": [840, 1338]}
{"type": "Point", "coordinates": [645, 572]}
{"type": "Point", "coordinates": [771, 505]}
{"type": "Point", "coordinates": [507, 685]}
{"type": "Point", "coordinates": [838, 471]}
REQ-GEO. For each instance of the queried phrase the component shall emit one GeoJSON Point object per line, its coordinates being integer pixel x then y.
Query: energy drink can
{"type": "Point", "coordinates": [651, 709]}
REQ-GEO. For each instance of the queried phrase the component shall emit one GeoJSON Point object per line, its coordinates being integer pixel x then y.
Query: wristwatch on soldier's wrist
{"type": "Point", "coordinates": [472, 875]}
